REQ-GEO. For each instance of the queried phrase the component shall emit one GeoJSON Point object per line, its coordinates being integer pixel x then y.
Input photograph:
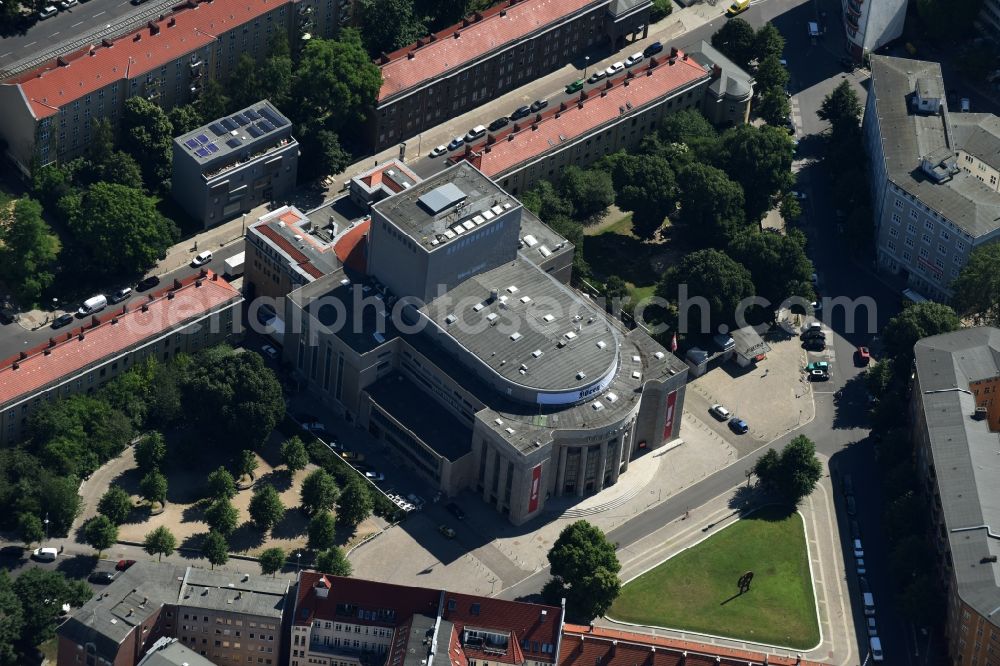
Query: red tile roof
{"type": "Point", "coordinates": [586, 646]}
{"type": "Point", "coordinates": [534, 623]}
{"type": "Point", "coordinates": [371, 595]}
{"type": "Point", "coordinates": [181, 32]}
{"type": "Point", "coordinates": [490, 32]}
{"type": "Point", "coordinates": [290, 218]}
{"type": "Point", "coordinates": [352, 247]}
{"type": "Point", "coordinates": [558, 125]}
{"type": "Point", "coordinates": [67, 354]}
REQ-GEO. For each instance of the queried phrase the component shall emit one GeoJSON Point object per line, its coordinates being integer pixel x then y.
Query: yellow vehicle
{"type": "Point", "coordinates": [738, 7]}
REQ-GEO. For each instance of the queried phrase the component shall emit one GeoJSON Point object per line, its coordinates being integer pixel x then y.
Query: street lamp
{"type": "Point", "coordinates": [244, 232]}
{"type": "Point", "coordinates": [46, 526]}
{"type": "Point", "coordinates": [586, 64]}
{"type": "Point", "coordinates": [298, 561]}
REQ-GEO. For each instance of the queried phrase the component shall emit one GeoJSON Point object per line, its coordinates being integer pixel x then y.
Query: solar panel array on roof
{"type": "Point", "coordinates": [241, 119]}
{"type": "Point", "coordinates": [254, 131]}
{"type": "Point", "coordinates": [201, 152]}
{"type": "Point", "coordinates": [217, 129]}
{"type": "Point", "coordinates": [272, 117]}
{"type": "Point", "coordinates": [191, 143]}
{"type": "Point", "coordinates": [442, 197]}
{"type": "Point", "coordinates": [212, 148]}
{"type": "Point", "coordinates": [229, 124]}
{"type": "Point", "coordinates": [251, 114]}
{"type": "Point", "coordinates": [234, 142]}
{"type": "Point", "coordinates": [202, 139]}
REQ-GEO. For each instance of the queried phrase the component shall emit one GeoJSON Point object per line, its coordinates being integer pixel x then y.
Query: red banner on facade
{"type": "Point", "coordinates": [536, 487]}
{"type": "Point", "coordinates": [668, 423]}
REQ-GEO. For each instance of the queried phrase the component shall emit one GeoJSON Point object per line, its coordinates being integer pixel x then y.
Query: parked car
{"type": "Point", "coordinates": [475, 133]}
{"type": "Point", "coordinates": [92, 305]}
{"type": "Point", "coordinates": [47, 12]}
{"type": "Point", "coordinates": [738, 7]}
{"type": "Point", "coordinates": [66, 4]}
{"type": "Point", "coordinates": [852, 506]}
{"type": "Point", "coordinates": [147, 283]}
{"type": "Point", "coordinates": [597, 76]}
{"type": "Point", "coordinates": [818, 365]}
{"type": "Point", "coordinates": [855, 530]}
{"type": "Point", "coordinates": [863, 584]}
{"type": "Point", "coordinates": [202, 258]}
{"type": "Point", "coordinates": [455, 510]}
{"type": "Point", "coordinates": [374, 476]}
{"type": "Point", "coordinates": [876, 645]}
{"type": "Point", "coordinates": [872, 630]}
{"type": "Point", "coordinates": [847, 485]}
{"type": "Point", "coordinates": [738, 425]}
{"type": "Point", "coordinates": [719, 412]}
{"type": "Point", "coordinates": [439, 151]}
{"type": "Point", "coordinates": [520, 112]}
{"type": "Point", "coordinates": [124, 564]}
{"type": "Point", "coordinates": [862, 356]}
{"type": "Point", "coordinates": [815, 344]}
{"type": "Point", "coordinates": [859, 550]}
{"type": "Point", "coordinates": [801, 196]}
{"type": "Point", "coordinates": [456, 142]}
{"type": "Point", "coordinates": [101, 577]}
{"type": "Point", "coordinates": [818, 375]}
{"type": "Point", "coordinates": [538, 105]}
{"type": "Point", "coordinates": [446, 531]}
{"type": "Point", "coordinates": [45, 554]}
{"type": "Point", "coordinates": [499, 123]}
{"type": "Point", "coordinates": [964, 104]}
{"type": "Point", "coordinates": [576, 86]}
{"type": "Point", "coordinates": [634, 59]}
{"type": "Point", "coordinates": [269, 351]}
{"type": "Point", "coordinates": [614, 68]}
{"type": "Point", "coordinates": [62, 320]}
{"type": "Point", "coordinates": [120, 295]}
{"type": "Point", "coordinates": [859, 564]}
{"type": "Point", "coordinates": [813, 334]}
{"type": "Point", "coordinates": [652, 49]}
{"type": "Point", "coordinates": [352, 457]}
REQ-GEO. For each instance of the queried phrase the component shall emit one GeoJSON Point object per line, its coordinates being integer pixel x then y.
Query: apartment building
{"type": "Point", "coordinates": [955, 422]}
{"type": "Point", "coordinates": [49, 111]}
{"type": "Point", "coordinates": [225, 617]}
{"type": "Point", "coordinates": [170, 652]}
{"type": "Point", "coordinates": [234, 164]}
{"type": "Point", "coordinates": [188, 315]}
{"type": "Point", "coordinates": [988, 20]}
{"type": "Point", "coordinates": [491, 53]}
{"type": "Point", "coordinates": [870, 24]}
{"type": "Point", "coordinates": [492, 374]}
{"type": "Point", "coordinates": [615, 116]}
{"type": "Point", "coordinates": [350, 622]}
{"type": "Point", "coordinates": [934, 176]}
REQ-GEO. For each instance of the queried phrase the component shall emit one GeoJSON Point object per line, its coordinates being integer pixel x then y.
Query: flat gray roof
{"type": "Point", "coordinates": [233, 592]}
{"type": "Point", "coordinates": [537, 333]}
{"type": "Point", "coordinates": [223, 140]}
{"type": "Point", "coordinates": [907, 136]}
{"type": "Point", "coordinates": [964, 454]}
{"type": "Point", "coordinates": [170, 652]}
{"type": "Point", "coordinates": [428, 211]}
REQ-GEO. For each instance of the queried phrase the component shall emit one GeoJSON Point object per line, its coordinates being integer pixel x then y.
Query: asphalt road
{"type": "Point", "coordinates": [14, 338]}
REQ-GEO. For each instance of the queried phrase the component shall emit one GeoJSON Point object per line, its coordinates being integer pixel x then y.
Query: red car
{"type": "Point", "coordinates": [862, 356]}
{"type": "Point", "coordinates": [124, 564]}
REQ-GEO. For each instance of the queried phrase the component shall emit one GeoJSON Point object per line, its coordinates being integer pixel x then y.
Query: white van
{"type": "Point", "coordinates": [869, 603]}
{"type": "Point", "coordinates": [876, 644]}
{"type": "Point", "coordinates": [92, 305]}
{"type": "Point", "coordinates": [45, 554]}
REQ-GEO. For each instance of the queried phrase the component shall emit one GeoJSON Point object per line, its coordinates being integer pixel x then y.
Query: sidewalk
{"type": "Point", "coordinates": [838, 643]}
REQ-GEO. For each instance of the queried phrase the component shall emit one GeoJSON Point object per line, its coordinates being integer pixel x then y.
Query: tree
{"type": "Point", "coordinates": [660, 10]}
{"type": "Point", "coordinates": [319, 492]}
{"type": "Point", "coordinates": [591, 191]}
{"type": "Point", "coordinates": [59, 500]}
{"type": "Point", "coordinates": [212, 101]}
{"type": "Point", "coordinates": [771, 74]}
{"type": "Point", "coordinates": [294, 454]}
{"type": "Point", "coordinates": [221, 484]}
{"type": "Point", "coordinates": [790, 208]}
{"type": "Point", "coordinates": [185, 118]}
{"type": "Point", "coordinates": [793, 474]}
{"type": "Point", "coordinates": [737, 41]}
{"type": "Point", "coordinates": [691, 128]}
{"type": "Point", "coordinates": [615, 288]}
{"type": "Point", "coordinates": [914, 323]}
{"type": "Point", "coordinates": [333, 561]}
{"type": "Point", "coordinates": [777, 263]}
{"type": "Point", "coordinates": [116, 504]}
{"type": "Point", "coordinates": [645, 185]}
{"type": "Point", "coordinates": [28, 251]}
{"type": "Point", "coordinates": [977, 288]}
{"type": "Point", "coordinates": [100, 533]}
{"type": "Point", "coordinates": [322, 153]}
{"type": "Point", "coordinates": [148, 136]}
{"type": "Point", "coordinates": [30, 527]}
{"type": "Point", "coordinates": [246, 464]}
{"type": "Point", "coordinates": [586, 563]}
{"type": "Point", "coordinates": [355, 503]}
{"type": "Point", "coordinates": [222, 517]}
{"type": "Point", "coordinates": [759, 159]}
{"type": "Point", "coordinates": [42, 594]}
{"type": "Point", "coordinates": [711, 205]}
{"type": "Point", "coordinates": [271, 560]}
{"type": "Point", "coordinates": [160, 542]}
{"type": "Point", "coordinates": [546, 202]}
{"type": "Point", "coordinates": [215, 549]}
{"type": "Point", "coordinates": [266, 509]}
{"type": "Point", "coordinates": [711, 275]}
{"type": "Point", "coordinates": [388, 25]}
{"type": "Point", "coordinates": [150, 451]}
{"type": "Point", "coordinates": [841, 107]}
{"type": "Point", "coordinates": [336, 79]}
{"type": "Point", "coordinates": [322, 531]}
{"type": "Point", "coordinates": [154, 487]}
{"type": "Point", "coordinates": [773, 107]}
{"type": "Point", "coordinates": [768, 43]}
{"type": "Point", "coordinates": [948, 20]}
{"type": "Point", "coordinates": [11, 620]}
{"type": "Point", "coordinates": [117, 230]}
{"type": "Point", "coordinates": [243, 86]}
{"type": "Point", "coordinates": [234, 397]}
{"type": "Point", "coordinates": [275, 74]}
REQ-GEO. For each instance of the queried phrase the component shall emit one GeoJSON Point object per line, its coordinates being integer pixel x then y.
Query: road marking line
{"type": "Point", "coordinates": [6, 54]}
{"type": "Point", "coordinates": [54, 33]}
{"type": "Point", "coordinates": [76, 24]}
{"type": "Point", "coordinates": [32, 44]}
{"type": "Point", "coordinates": [98, 14]}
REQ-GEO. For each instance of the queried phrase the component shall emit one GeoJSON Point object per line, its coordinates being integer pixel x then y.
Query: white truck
{"type": "Point", "coordinates": [234, 265]}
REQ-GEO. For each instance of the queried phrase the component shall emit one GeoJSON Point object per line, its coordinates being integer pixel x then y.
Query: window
{"type": "Point", "coordinates": [891, 245]}
{"type": "Point", "coordinates": [895, 218]}
{"type": "Point", "coordinates": [911, 228]}
{"type": "Point", "coordinates": [909, 241]}
{"type": "Point", "coordinates": [913, 214]}
{"type": "Point", "coordinates": [898, 203]}
{"type": "Point", "coordinates": [894, 232]}
{"type": "Point", "coordinates": [928, 225]}
{"type": "Point", "coordinates": [926, 238]}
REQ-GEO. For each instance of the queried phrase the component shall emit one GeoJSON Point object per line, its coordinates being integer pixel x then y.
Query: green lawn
{"type": "Point", "coordinates": [696, 590]}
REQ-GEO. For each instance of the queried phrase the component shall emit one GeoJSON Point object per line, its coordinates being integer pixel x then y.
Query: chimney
{"type": "Point", "coordinates": [62, 62]}
{"type": "Point", "coordinates": [170, 296]}
{"type": "Point", "coordinates": [52, 342]}
{"type": "Point", "coordinates": [22, 355]}
{"type": "Point", "coordinates": [172, 22]}
{"type": "Point", "coordinates": [411, 55]}
{"type": "Point", "coordinates": [544, 616]}
{"type": "Point", "coordinates": [420, 42]}
{"type": "Point", "coordinates": [153, 28]}
{"type": "Point", "coordinates": [456, 34]}
{"type": "Point", "coordinates": [106, 43]}
{"type": "Point", "coordinates": [716, 71]}
{"type": "Point", "coordinates": [673, 51]}
{"type": "Point", "coordinates": [145, 307]}
{"type": "Point", "coordinates": [46, 352]}
{"type": "Point", "coordinates": [490, 139]}
{"type": "Point", "coordinates": [516, 128]}
{"type": "Point", "coordinates": [383, 59]}
{"type": "Point", "coordinates": [81, 336]}
{"type": "Point", "coordinates": [138, 37]}
{"type": "Point", "coordinates": [16, 366]}
{"type": "Point", "coordinates": [114, 320]}
{"type": "Point", "coordinates": [197, 283]}
{"type": "Point", "coordinates": [466, 22]}
{"type": "Point", "coordinates": [177, 283]}
{"type": "Point", "coordinates": [562, 106]}
{"type": "Point", "coordinates": [614, 647]}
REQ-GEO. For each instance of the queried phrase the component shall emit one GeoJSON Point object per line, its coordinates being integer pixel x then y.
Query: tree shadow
{"type": "Point", "coordinates": [773, 513]}
{"type": "Point", "coordinates": [744, 498]}
{"type": "Point", "coordinates": [625, 256]}
{"type": "Point", "coordinates": [127, 481]}
{"type": "Point", "coordinates": [246, 537]}
{"type": "Point", "coordinates": [291, 525]}
{"type": "Point", "coordinates": [281, 479]}
{"type": "Point", "coordinates": [851, 405]}
{"type": "Point", "coordinates": [190, 547]}
{"type": "Point", "coordinates": [194, 513]}
{"type": "Point", "coordinates": [77, 566]}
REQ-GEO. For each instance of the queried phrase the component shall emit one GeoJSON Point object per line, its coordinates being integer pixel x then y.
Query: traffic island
{"type": "Point", "coordinates": [751, 581]}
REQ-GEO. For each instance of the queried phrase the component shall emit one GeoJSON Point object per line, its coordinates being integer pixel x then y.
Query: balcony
{"type": "Point", "coordinates": [249, 158]}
